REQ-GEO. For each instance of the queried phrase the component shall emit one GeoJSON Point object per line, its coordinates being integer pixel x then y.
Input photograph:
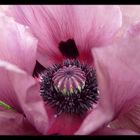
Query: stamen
{"type": "Point", "coordinates": [70, 87]}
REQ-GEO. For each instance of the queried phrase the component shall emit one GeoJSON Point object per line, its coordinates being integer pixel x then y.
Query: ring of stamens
{"type": "Point", "coordinates": [70, 87]}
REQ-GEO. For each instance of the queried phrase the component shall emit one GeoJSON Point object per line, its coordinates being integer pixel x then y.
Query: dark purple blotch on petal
{"type": "Point", "coordinates": [68, 48]}
{"type": "Point", "coordinates": [38, 69]}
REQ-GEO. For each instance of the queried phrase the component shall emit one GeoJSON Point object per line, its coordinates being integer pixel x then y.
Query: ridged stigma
{"type": "Point", "coordinates": [69, 80]}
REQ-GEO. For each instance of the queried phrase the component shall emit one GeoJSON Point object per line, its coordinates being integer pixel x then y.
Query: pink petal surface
{"type": "Point", "coordinates": [117, 72]}
{"type": "Point", "coordinates": [89, 26]}
{"type": "Point", "coordinates": [129, 120]}
{"type": "Point", "coordinates": [17, 44]}
{"type": "Point", "coordinates": [96, 119]}
{"type": "Point", "coordinates": [12, 123]}
{"type": "Point", "coordinates": [7, 93]}
{"type": "Point", "coordinates": [21, 91]}
{"type": "Point", "coordinates": [130, 14]}
{"type": "Point", "coordinates": [4, 7]}
{"type": "Point", "coordinates": [63, 124]}
{"type": "Point", "coordinates": [110, 131]}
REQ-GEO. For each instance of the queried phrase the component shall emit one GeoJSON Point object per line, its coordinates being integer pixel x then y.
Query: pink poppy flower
{"type": "Point", "coordinates": [69, 32]}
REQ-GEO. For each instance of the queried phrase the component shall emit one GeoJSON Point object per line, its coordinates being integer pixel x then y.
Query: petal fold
{"type": "Point", "coordinates": [119, 66]}
{"type": "Point", "coordinates": [21, 92]}
{"type": "Point", "coordinates": [17, 44]}
{"type": "Point", "coordinates": [95, 120]}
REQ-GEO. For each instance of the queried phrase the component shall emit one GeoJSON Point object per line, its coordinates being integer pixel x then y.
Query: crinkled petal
{"type": "Point", "coordinates": [12, 123]}
{"type": "Point", "coordinates": [110, 131]}
{"type": "Point", "coordinates": [21, 92]}
{"type": "Point", "coordinates": [17, 44]}
{"type": "Point", "coordinates": [89, 26]}
{"type": "Point", "coordinates": [117, 69]}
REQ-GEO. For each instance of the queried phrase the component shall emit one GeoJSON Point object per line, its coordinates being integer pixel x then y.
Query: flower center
{"type": "Point", "coordinates": [69, 79]}
{"type": "Point", "coordinates": [70, 87]}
